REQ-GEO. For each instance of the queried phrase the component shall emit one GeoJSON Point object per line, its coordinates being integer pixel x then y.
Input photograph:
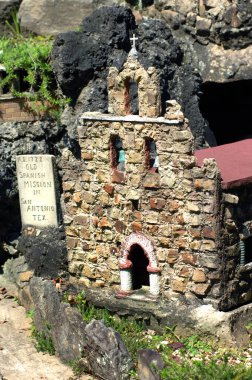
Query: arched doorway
{"type": "Point", "coordinates": [140, 275]}
{"type": "Point", "coordinates": [138, 266]}
{"type": "Point", "coordinates": [248, 250]}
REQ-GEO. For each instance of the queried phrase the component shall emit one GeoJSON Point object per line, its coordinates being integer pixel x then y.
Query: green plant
{"type": "Point", "coordinates": [30, 313]}
{"type": "Point", "coordinates": [249, 326]}
{"type": "Point", "coordinates": [191, 358]}
{"type": "Point", "coordinates": [199, 370]}
{"type": "Point", "coordinates": [14, 25]}
{"type": "Point", "coordinates": [29, 57]}
{"type": "Point", "coordinates": [43, 340]}
{"type": "Point", "coordinates": [77, 367]}
{"type": "Point", "coordinates": [194, 345]}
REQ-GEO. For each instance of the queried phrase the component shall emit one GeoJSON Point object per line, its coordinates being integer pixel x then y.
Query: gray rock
{"type": "Point", "coordinates": [64, 325]}
{"type": "Point", "coordinates": [13, 267]}
{"type": "Point", "coordinates": [48, 17]}
{"type": "Point", "coordinates": [149, 364]}
{"type": "Point", "coordinates": [203, 26]}
{"type": "Point", "coordinates": [105, 353]}
{"type": "Point", "coordinates": [46, 302]}
{"type": "Point", "coordinates": [223, 65]}
{"type": "Point", "coordinates": [68, 333]}
{"type": "Point", "coordinates": [6, 8]}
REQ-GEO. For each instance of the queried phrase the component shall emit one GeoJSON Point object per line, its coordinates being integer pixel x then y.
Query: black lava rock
{"type": "Point", "coordinates": [81, 61]}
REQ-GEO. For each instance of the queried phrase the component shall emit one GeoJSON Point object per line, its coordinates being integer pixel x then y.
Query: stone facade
{"type": "Point", "coordinates": [177, 207]}
{"type": "Point", "coordinates": [117, 219]}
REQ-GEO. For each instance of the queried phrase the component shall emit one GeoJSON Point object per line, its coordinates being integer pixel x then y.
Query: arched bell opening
{"type": "Point", "coordinates": [140, 262]}
{"type": "Point", "coordinates": [131, 97]}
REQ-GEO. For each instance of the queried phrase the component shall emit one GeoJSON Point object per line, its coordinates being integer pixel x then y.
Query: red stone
{"type": "Point", "coordinates": [81, 220]}
{"type": "Point", "coordinates": [109, 189]}
{"type": "Point", "coordinates": [209, 232]}
{"type": "Point", "coordinates": [117, 176]}
{"type": "Point", "coordinates": [138, 215]}
{"type": "Point", "coordinates": [104, 223]}
{"type": "Point", "coordinates": [172, 256]}
{"type": "Point", "coordinates": [136, 226]}
{"type": "Point", "coordinates": [195, 232]}
{"type": "Point", "coordinates": [120, 226]}
{"type": "Point", "coordinates": [173, 206]}
{"type": "Point", "coordinates": [87, 156]}
{"type": "Point", "coordinates": [188, 258]}
{"type": "Point", "coordinates": [85, 246]}
{"type": "Point", "coordinates": [98, 210]}
{"type": "Point", "coordinates": [180, 219]}
{"type": "Point", "coordinates": [157, 203]}
{"type": "Point", "coordinates": [177, 231]}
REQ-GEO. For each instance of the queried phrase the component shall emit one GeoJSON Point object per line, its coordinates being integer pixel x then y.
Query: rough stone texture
{"type": "Point", "coordinates": [45, 251]}
{"type": "Point", "coordinates": [103, 37]}
{"type": "Point", "coordinates": [49, 18]}
{"type": "Point", "coordinates": [217, 35]}
{"type": "Point", "coordinates": [6, 9]}
{"type": "Point", "coordinates": [105, 352]}
{"type": "Point", "coordinates": [217, 64]}
{"type": "Point", "coordinates": [148, 89]}
{"type": "Point", "coordinates": [236, 278]}
{"type": "Point", "coordinates": [59, 321]}
{"type": "Point", "coordinates": [14, 268]}
{"type": "Point", "coordinates": [68, 334]}
{"type": "Point", "coordinates": [210, 31]}
{"type": "Point", "coordinates": [189, 316]}
{"type": "Point", "coordinates": [81, 62]}
{"type": "Point", "coordinates": [149, 364]}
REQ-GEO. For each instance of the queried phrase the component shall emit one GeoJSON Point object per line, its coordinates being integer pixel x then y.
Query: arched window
{"type": "Point", "coordinates": [131, 97]}
{"type": "Point", "coordinates": [117, 153]}
{"type": "Point", "coordinates": [151, 155]}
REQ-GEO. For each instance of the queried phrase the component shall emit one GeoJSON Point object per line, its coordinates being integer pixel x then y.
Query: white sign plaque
{"type": "Point", "coordinates": [37, 193]}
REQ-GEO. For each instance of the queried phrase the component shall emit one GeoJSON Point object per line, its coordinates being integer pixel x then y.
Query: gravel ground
{"type": "Point", "coordinates": [19, 359]}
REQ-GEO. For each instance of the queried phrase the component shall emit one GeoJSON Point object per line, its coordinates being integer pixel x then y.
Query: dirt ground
{"type": "Point", "coordinates": [19, 359]}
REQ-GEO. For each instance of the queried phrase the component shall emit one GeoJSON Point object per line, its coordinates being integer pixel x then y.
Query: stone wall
{"type": "Point", "coordinates": [177, 209]}
{"type": "Point", "coordinates": [17, 109]}
{"type": "Point", "coordinates": [237, 217]}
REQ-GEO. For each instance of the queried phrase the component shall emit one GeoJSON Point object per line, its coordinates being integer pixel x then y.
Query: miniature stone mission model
{"type": "Point", "coordinates": [133, 222]}
{"type": "Point", "coordinates": [144, 214]}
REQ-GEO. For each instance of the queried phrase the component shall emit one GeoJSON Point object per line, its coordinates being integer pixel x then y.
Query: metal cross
{"type": "Point", "coordinates": [134, 39]}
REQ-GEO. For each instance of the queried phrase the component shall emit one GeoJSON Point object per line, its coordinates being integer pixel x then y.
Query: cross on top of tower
{"type": "Point", "coordinates": [134, 39]}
